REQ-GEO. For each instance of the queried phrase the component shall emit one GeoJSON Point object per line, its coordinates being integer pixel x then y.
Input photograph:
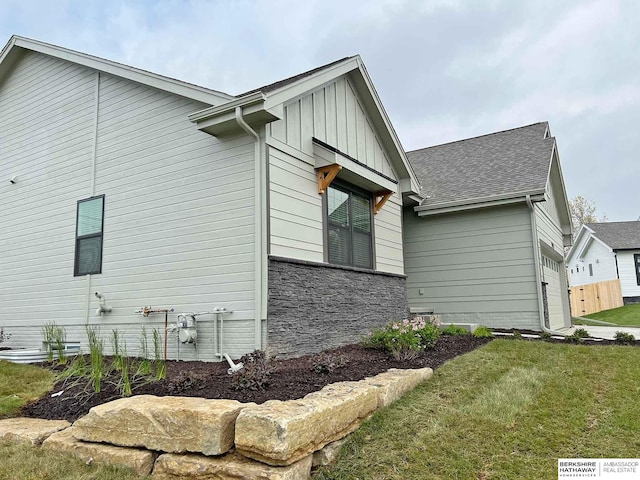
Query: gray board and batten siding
{"type": "Point", "coordinates": [178, 208]}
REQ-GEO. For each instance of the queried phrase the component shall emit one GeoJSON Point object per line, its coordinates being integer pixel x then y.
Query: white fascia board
{"type": "Point", "coordinates": [577, 244]}
{"type": "Point", "coordinates": [184, 89]}
{"type": "Point", "coordinates": [555, 159]}
{"type": "Point", "coordinates": [391, 140]}
{"type": "Point", "coordinates": [324, 156]}
{"type": "Point", "coordinates": [480, 202]}
{"type": "Point", "coordinates": [301, 87]}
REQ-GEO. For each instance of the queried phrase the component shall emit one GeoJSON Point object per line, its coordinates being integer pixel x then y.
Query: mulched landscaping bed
{"type": "Point", "coordinates": [291, 379]}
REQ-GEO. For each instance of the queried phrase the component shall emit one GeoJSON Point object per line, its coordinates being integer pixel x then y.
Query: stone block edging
{"type": "Point", "coordinates": [273, 441]}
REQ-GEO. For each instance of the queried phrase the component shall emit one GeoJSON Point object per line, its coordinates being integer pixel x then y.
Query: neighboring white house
{"type": "Point", "coordinates": [486, 244]}
{"type": "Point", "coordinates": [282, 205]}
{"type": "Point", "coordinates": [607, 251]}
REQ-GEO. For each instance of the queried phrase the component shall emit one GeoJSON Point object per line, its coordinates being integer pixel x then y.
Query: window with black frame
{"type": "Point", "coordinates": [89, 226]}
{"type": "Point", "coordinates": [349, 227]}
{"type": "Point", "coordinates": [636, 260]}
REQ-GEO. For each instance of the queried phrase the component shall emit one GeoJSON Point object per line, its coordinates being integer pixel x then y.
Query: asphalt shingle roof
{"type": "Point", "coordinates": [500, 163]}
{"type": "Point", "coordinates": [281, 83]}
{"type": "Point", "coordinates": [618, 235]}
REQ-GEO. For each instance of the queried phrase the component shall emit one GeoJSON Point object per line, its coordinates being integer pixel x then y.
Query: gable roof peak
{"type": "Point", "coordinates": [294, 78]}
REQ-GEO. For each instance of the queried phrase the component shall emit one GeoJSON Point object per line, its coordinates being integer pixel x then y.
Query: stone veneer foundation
{"type": "Point", "coordinates": [315, 306]}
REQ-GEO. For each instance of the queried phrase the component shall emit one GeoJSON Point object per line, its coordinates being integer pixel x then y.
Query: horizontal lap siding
{"type": "Point", "coordinates": [628, 279]}
{"type": "Point", "coordinates": [179, 212]}
{"type": "Point", "coordinates": [475, 266]}
{"type": "Point", "coordinates": [296, 208]}
{"type": "Point", "coordinates": [335, 115]}
{"type": "Point", "coordinates": [603, 264]}
{"type": "Point", "coordinates": [46, 132]}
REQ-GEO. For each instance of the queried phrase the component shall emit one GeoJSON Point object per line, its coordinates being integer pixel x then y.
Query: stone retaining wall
{"type": "Point", "coordinates": [195, 438]}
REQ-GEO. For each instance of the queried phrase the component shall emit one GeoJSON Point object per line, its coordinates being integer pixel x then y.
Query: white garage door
{"type": "Point", "coordinates": [551, 273]}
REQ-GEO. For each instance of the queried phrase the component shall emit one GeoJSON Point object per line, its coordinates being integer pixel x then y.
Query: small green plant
{"type": "Point", "coordinates": [404, 340]}
{"type": "Point", "coordinates": [125, 382]}
{"type": "Point", "coordinates": [578, 336]}
{"type": "Point", "coordinates": [454, 330]}
{"type": "Point", "coordinates": [159, 365]}
{"type": "Point", "coordinates": [327, 362]}
{"type": "Point", "coordinates": [255, 374]}
{"type": "Point", "coordinates": [77, 368]}
{"type": "Point", "coordinates": [625, 338]}
{"type": "Point", "coordinates": [96, 358]}
{"type": "Point", "coordinates": [4, 336]}
{"type": "Point", "coordinates": [517, 335]}
{"type": "Point", "coordinates": [144, 367]}
{"type": "Point", "coordinates": [482, 332]}
{"type": "Point", "coordinates": [116, 340]}
{"type": "Point", "coordinates": [54, 338]}
{"type": "Point", "coordinates": [545, 336]}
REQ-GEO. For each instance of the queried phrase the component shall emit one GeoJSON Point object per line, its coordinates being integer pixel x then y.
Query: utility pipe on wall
{"type": "Point", "coordinates": [260, 253]}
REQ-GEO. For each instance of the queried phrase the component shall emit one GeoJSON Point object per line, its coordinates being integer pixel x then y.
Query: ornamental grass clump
{"type": "Point", "coordinates": [404, 339]}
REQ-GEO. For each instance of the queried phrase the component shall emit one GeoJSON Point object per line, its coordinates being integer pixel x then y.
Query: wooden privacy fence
{"type": "Point", "coordinates": [595, 297]}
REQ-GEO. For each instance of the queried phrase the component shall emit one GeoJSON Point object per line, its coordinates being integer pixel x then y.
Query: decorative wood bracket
{"type": "Point", "coordinates": [326, 175]}
{"type": "Point", "coordinates": [381, 199]}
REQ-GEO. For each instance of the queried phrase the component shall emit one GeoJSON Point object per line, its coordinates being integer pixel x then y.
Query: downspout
{"type": "Point", "coordinates": [537, 264]}
{"type": "Point", "coordinates": [258, 293]}
{"type": "Point", "coordinates": [94, 152]}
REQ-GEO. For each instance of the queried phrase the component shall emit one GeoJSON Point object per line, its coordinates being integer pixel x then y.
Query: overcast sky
{"type": "Point", "coordinates": [445, 69]}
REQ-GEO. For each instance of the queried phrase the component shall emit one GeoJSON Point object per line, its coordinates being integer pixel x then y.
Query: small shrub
{"type": "Point", "coordinates": [326, 362]}
{"type": "Point", "coordinates": [581, 333]}
{"type": "Point", "coordinates": [545, 336]}
{"type": "Point", "coordinates": [255, 374]}
{"type": "Point", "coordinates": [482, 332]}
{"type": "Point", "coordinates": [625, 338]}
{"type": "Point", "coordinates": [578, 336]}
{"type": "Point", "coordinates": [517, 335]}
{"type": "Point", "coordinates": [404, 340]}
{"type": "Point", "coordinates": [454, 330]}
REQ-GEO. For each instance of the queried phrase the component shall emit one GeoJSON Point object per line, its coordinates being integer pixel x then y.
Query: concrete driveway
{"type": "Point", "coordinates": [609, 333]}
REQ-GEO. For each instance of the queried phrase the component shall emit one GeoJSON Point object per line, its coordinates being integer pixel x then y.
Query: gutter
{"type": "Point", "coordinates": [538, 266]}
{"type": "Point", "coordinates": [480, 202]}
{"type": "Point", "coordinates": [211, 112]}
{"type": "Point", "coordinates": [259, 204]}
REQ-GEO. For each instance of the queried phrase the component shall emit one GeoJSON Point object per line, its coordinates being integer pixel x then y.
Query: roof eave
{"type": "Point", "coordinates": [221, 119]}
{"type": "Point", "coordinates": [480, 202]}
{"type": "Point", "coordinates": [144, 77]}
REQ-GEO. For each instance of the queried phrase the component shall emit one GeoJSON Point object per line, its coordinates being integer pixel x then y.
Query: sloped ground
{"type": "Point", "coordinates": [291, 379]}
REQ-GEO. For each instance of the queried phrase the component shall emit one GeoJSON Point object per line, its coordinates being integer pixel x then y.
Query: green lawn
{"type": "Point", "coordinates": [506, 411]}
{"type": "Point", "coordinates": [628, 316]}
{"type": "Point", "coordinates": [20, 384]}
